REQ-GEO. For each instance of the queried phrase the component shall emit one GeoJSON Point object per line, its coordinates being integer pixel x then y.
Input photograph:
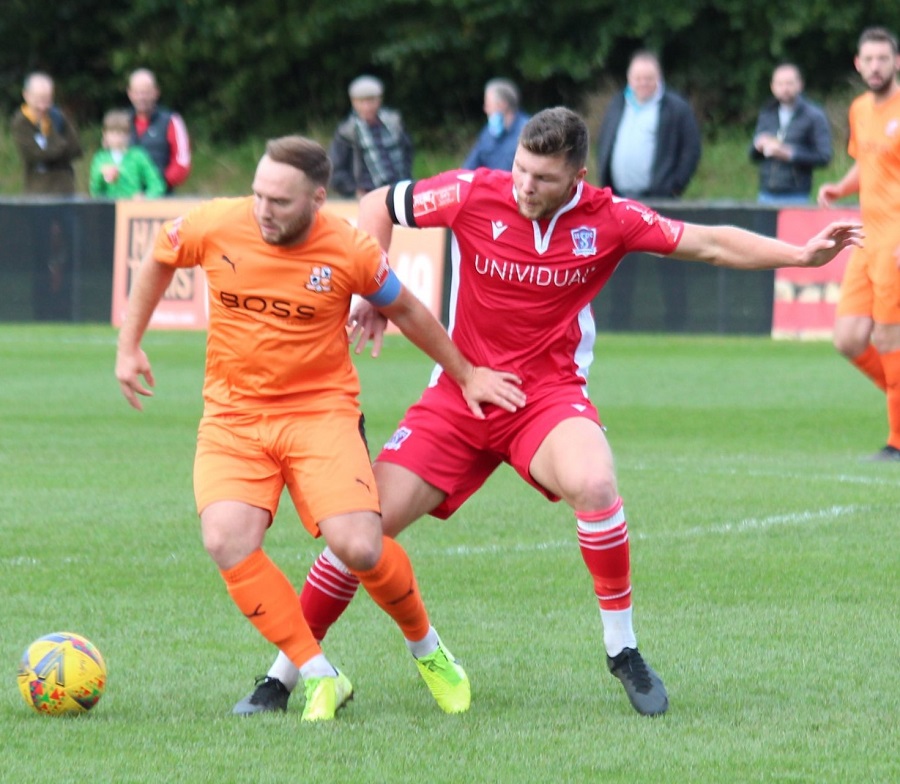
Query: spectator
{"type": "Point", "coordinates": [47, 142]}
{"type": "Point", "coordinates": [370, 147]}
{"type": "Point", "coordinates": [159, 130]}
{"type": "Point", "coordinates": [648, 148]}
{"type": "Point", "coordinates": [495, 147]}
{"type": "Point", "coordinates": [121, 170]}
{"type": "Point", "coordinates": [792, 137]}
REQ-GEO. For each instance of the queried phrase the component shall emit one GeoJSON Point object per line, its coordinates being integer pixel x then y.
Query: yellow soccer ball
{"type": "Point", "coordinates": [62, 673]}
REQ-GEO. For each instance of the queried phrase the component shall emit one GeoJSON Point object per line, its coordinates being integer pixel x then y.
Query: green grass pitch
{"type": "Point", "coordinates": [765, 555]}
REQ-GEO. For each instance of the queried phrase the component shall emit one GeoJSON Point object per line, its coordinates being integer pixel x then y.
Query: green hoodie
{"type": "Point", "coordinates": [137, 175]}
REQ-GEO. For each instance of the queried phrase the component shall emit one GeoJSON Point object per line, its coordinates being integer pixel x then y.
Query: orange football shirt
{"type": "Point", "coordinates": [875, 146]}
{"type": "Point", "coordinates": [277, 315]}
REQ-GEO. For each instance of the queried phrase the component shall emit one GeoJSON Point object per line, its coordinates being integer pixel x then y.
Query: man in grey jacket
{"type": "Point", "coordinates": [792, 137]}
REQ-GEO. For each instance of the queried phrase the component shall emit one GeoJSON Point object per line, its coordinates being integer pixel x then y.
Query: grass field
{"type": "Point", "coordinates": [765, 557]}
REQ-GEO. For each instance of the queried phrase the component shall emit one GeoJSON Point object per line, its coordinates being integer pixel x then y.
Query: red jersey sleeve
{"type": "Point", "coordinates": [645, 230]}
{"type": "Point", "coordinates": [434, 201]}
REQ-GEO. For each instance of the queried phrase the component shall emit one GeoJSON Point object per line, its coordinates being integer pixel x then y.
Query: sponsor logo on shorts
{"type": "Point", "coordinates": [400, 435]}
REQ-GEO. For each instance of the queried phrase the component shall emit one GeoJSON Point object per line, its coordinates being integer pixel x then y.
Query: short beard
{"type": "Point", "coordinates": [297, 232]}
{"type": "Point", "coordinates": [882, 89]}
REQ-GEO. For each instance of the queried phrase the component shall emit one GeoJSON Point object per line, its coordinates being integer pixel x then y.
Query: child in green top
{"type": "Point", "coordinates": [121, 170]}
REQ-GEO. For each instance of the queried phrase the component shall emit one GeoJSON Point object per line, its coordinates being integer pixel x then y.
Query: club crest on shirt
{"type": "Point", "coordinates": [320, 280]}
{"type": "Point", "coordinates": [584, 240]}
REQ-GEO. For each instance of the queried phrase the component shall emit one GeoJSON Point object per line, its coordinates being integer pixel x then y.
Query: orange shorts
{"type": "Point", "coordinates": [871, 285]}
{"type": "Point", "coordinates": [322, 458]}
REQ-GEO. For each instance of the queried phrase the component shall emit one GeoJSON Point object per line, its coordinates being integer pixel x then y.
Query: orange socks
{"type": "Point", "coordinates": [869, 363]}
{"type": "Point", "coordinates": [392, 586]}
{"type": "Point", "coordinates": [268, 600]}
{"type": "Point", "coordinates": [891, 364]}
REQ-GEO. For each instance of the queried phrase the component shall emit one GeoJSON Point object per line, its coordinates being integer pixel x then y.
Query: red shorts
{"type": "Point", "coordinates": [322, 458]}
{"type": "Point", "coordinates": [441, 441]}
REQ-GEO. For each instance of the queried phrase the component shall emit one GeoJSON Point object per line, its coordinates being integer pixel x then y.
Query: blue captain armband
{"type": "Point", "coordinates": [388, 292]}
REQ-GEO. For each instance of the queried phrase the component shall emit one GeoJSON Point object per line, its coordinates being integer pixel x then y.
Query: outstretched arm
{"type": "Point", "coordinates": [153, 279]}
{"type": "Point", "coordinates": [729, 246]}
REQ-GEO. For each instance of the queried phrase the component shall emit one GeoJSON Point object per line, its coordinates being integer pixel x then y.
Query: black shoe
{"type": "Point", "coordinates": [269, 695]}
{"type": "Point", "coordinates": [642, 685]}
{"type": "Point", "coordinates": [887, 454]}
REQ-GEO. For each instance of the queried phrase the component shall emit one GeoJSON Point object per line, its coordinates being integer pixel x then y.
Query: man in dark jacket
{"type": "Point", "coordinates": [370, 147]}
{"type": "Point", "coordinates": [649, 142]}
{"type": "Point", "coordinates": [792, 137]}
{"type": "Point", "coordinates": [159, 130]}
{"type": "Point", "coordinates": [648, 148]}
{"type": "Point", "coordinates": [47, 142]}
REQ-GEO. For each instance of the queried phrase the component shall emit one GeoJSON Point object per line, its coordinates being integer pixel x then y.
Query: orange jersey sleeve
{"type": "Point", "coordinates": [277, 315]}
{"type": "Point", "coordinates": [875, 146]}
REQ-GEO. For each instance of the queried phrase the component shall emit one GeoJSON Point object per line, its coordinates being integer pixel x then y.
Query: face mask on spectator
{"type": "Point", "coordinates": [495, 124]}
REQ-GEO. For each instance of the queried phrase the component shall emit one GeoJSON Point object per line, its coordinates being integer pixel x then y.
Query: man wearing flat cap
{"type": "Point", "coordinates": [370, 147]}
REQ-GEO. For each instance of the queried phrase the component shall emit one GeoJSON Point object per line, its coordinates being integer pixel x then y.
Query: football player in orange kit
{"type": "Point", "coordinates": [867, 328]}
{"type": "Point", "coordinates": [281, 408]}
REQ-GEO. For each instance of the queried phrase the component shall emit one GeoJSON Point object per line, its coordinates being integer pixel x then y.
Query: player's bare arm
{"type": "Point", "coordinates": [729, 246]}
{"type": "Point", "coordinates": [478, 384]}
{"type": "Point", "coordinates": [131, 362]}
{"type": "Point", "coordinates": [373, 216]}
{"type": "Point", "coordinates": [830, 192]}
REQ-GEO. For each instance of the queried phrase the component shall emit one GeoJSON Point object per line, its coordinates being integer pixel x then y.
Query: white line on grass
{"type": "Point", "coordinates": [706, 470]}
{"type": "Point", "coordinates": [828, 514]}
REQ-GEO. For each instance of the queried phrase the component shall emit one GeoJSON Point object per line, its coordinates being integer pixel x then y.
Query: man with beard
{"type": "Point", "coordinates": [531, 249]}
{"type": "Point", "coordinates": [867, 327]}
{"type": "Point", "coordinates": [281, 408]}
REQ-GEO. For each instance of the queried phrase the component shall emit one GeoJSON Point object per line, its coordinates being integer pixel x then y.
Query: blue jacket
{"type": "Point", "coordinates": [496, 152]}
{"type": "Point", "coordinates": [808, 133]}
{"type": "Point", "coordinates": [677, 145]}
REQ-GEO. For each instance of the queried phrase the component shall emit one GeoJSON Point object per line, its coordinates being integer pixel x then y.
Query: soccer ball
{"type": "Point", "coordinates": [62, 673]}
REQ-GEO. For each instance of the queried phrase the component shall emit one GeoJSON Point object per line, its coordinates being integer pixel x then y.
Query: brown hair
{"type": "Point", "coordinates": [117, 120]}
{"type": "Point", "coordinates": [557, 131]}
{"type": "Point", "coordinates": [304, 154]}
{"type": "Point", "coordinates": [879, 35]}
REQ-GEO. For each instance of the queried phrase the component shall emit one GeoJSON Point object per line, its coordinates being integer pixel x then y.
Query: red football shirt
{"type": "Point", "coordinates": [521, 289]}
